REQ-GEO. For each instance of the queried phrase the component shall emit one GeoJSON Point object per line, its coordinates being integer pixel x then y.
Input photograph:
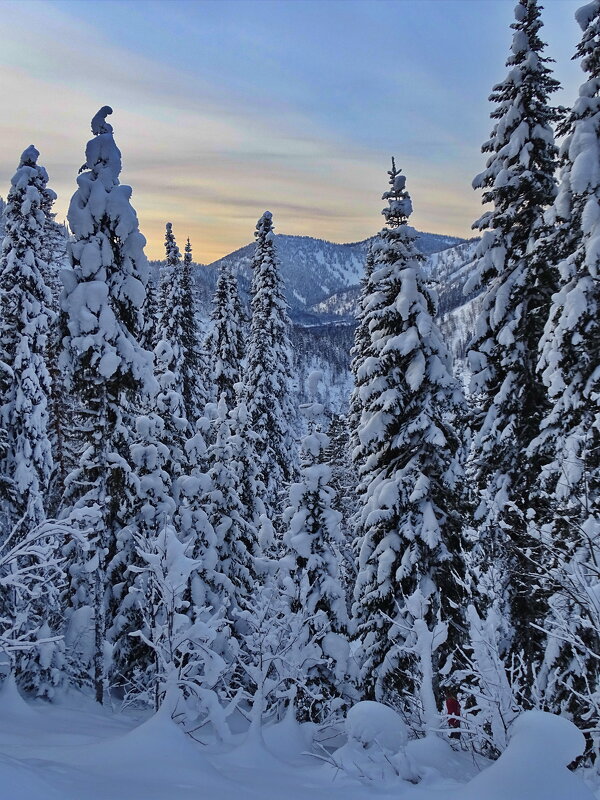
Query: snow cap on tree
{"type": "Point", "coordinates": [110, 270]}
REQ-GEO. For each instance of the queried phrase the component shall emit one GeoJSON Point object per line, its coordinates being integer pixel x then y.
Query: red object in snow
{"type": "Point", "coordinates": [453, 709]}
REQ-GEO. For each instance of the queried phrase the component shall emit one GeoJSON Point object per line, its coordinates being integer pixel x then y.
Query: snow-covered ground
{"type": "Point", "coordinates": [76, 750]}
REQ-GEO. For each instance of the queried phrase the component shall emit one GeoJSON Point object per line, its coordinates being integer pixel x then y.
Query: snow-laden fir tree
{"type": "Point", "coordinates": [344, 479]}
{"type": "Point", "coordinates": [206, 584]}
{"type": "Point", "coordinates": [225, 343]}
{"type": "Point", "coordinates": [570, 430]}
{"type": "Point", "coordinates": [54, 248]}
{"type": "Point", "coordinates": [197, 368]}
{"type": "Point", "coordinates": [235, 535]}
{"type": "Point", "coordinates": [172, 320]}
{"type": "Point", "coordinates": [108, 373]}
{"type": "Point", "coordinates": [519, 180]}
{"type": "Point", "coordinates": [63, 438]}
{"type": "Point", "coordinates": [360, 352]}
{"type": "Point", "coordinates": [152, 310]}
{"type": "Point", "coordinates": [250, 487]}
{"type": "Point", "coordinates": [171, 407]}
{"type": "Point", "coordinates": [311, 575]}
{"type": "Point", "coordinates": [134, 662]}
{"type": "Point", "coordinates": [25, 315]}
{"type": "Point", "coordinates": [179, 327]}
{"type": "Point", "coordinates": [410, 517]}
{"type": "Point", "coordinates": [269, 369]}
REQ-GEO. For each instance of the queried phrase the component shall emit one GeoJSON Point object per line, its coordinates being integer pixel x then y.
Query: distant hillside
{"type": "Point", "coordinates": [314, 269]}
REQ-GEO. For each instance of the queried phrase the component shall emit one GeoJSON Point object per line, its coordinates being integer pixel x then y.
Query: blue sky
{"type": "Point", "coordinates": [223, 109]}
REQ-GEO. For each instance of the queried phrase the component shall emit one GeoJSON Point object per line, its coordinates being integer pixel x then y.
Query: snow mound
{"type": "Point", "coordinates": [551, 739]}
{"type": "Point", "coordinates": [290, 740]}
{"type": "Point", "coordinates": [375, 751]}
{"type": "Point", "coordinates": [534, 765]}
{"type": "Point", "coordinates": [156, 748]}
{"type": "Point", "coordinates": [369, 723]}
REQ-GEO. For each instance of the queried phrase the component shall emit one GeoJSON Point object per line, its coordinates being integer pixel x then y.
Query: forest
{"type": "Point", "coordinates": [190, 529]}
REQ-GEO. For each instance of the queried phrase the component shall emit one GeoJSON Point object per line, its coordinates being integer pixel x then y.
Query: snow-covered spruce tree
{"type": "Point", "coordinates": [54, 248]}
{"type": "Point", "coordinates": [344, 479]}
{"type": "Point", "coordinates": [235, 536]}
{"type": "Point", "coordinates": [225, 343]}
{"type": "Point", "coordinates": [150, 455]}
{"type": "Point", "coordinates": [206, 589]}
{"type": "Point", "coordinates": [63, 438]}
{"type": "Point", "coordinates": [152, 310]}
{"type": "Point", "coordinates": [269, 369]}
{"type": "Point", "coordinates": [250, 487]}
{"type": "Point", "coordinates": [196, 365]}
{"type": "Point", "coordinates": [519, 180]}
{"type": "Point", "coordinates": [570, 430]}
{"type": "Point", "coordinates": [311, 576]}
{"type": "Point", "coordinates": [108, 374]}
{"type": "Point", "coordinates": [178, 326]}
{"type": "Point", "coordinates": [410, 517]}
{"type": "Point", "coordinates": [171, 324]}
{"type": "Point", "coordinates": [25, 314]}
{"type": "Point", "coordinates": [360, 352]}
{"type": "Point", "coordinates": [170, 406]}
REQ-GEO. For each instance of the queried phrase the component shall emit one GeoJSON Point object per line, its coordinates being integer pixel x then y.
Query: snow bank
{"type": "Point", "coordinates": [534, 765]}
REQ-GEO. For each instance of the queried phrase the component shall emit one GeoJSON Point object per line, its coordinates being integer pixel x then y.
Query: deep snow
{"type": "Point", "coordinates": [76, 750]}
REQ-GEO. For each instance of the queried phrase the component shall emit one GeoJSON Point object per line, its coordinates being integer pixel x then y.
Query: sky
{"type": "Point", "coordinates": [226, 108]}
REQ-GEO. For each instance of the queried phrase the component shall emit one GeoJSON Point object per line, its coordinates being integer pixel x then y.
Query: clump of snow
{"type": "Point", "coordinates": [369, 723]}
{"type": "Point", "coordinates": [99, 123]}
{"type": "Point", "coordinates": [376, 746]}
{"type": "Point", "coordinates": [586, 14]}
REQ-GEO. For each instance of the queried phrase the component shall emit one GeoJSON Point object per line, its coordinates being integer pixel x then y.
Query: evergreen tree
{"type": "Point", "coordinates": [25, 314]}
{"type": "Point", "coordinates": [410, 517]}
{"type": "Point", "coordinates": [196, 366]}
{"type": "Point", "coordinates": [269, 369]}
{"type": "Point", "coordinates": [152, 311]}
{"type": "Point", "coordinates": [570, 430]}
{"type": "Point", "coordinates": [311, 574]}
{"type": "Point", "coordinates": [225, 342]}
{"type": "Point", "coordinates": [108, 373]}
{"type": "Point", "coordinates": [62, 436]}
{"type": "Point", "coordinates": [344, 479]}
{"type": "Point", "coordinates": [134, 663]}
{"type": "Point", "coordinates": [171, 324]}
{"type": "Point", "coordinates": [519, 181]}
{"type": "Point", "coordinates": [235, 536]}
{"type": "Point", "coordinates": [360, 354]}
{"type": "Point", "coordinates": [179, 328]}
{"type": "Point", "coordinates": [208, 588]}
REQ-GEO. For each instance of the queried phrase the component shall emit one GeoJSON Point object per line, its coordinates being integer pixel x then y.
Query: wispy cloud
{"type": "Point", "coordinates": [210, 153]}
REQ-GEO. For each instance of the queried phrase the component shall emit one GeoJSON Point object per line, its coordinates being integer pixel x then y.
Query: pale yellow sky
{"type": "Point", "coordinates": [210, 154]}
